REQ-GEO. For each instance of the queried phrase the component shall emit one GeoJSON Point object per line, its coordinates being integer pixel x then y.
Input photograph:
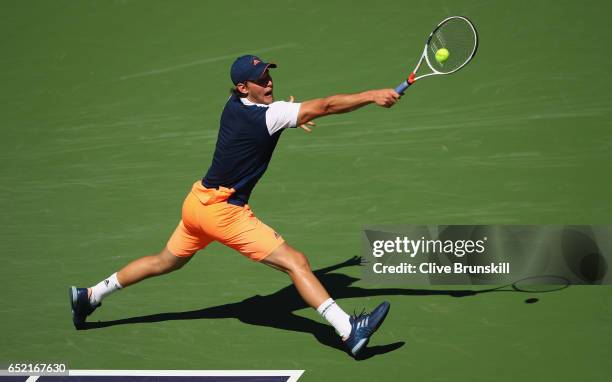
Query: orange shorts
{"type": "Point", "coordinates": [207, 217]}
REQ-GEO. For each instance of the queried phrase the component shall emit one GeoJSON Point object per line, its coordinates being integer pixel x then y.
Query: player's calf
{"type": "Point", "coordinates": [84, 301]}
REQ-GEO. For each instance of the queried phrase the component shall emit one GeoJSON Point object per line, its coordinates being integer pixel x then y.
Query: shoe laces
{"type": "Point", "coordinates": [358, 316]}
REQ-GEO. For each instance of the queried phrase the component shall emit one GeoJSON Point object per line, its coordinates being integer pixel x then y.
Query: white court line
{"type": "Point", "coordinates": [198, 373]}
{"type": "Point", "coordinates": [203, 61]}
{"type": "Point", "coordinates": [293, 375]}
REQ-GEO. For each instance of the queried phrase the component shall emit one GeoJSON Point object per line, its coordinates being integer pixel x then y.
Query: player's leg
{"type": "Point", "coordinates": [355, 331]}
{"type": "Point", "coordinates": [295, 264]}
{"type": "Point", "coordinates": [186, 240]}
{"type": "Point", "coordinates": [136, 271]}
{"type": "Point", "coordinates": [244, 232]}
{"type": "Point", "coordinates": [148, 266]}
{"type": "Point", "coordinates": [254, 239]}
{"type": "Point", "coordinates": [85, 300]}
{"type": "Point", "coordinates": [182, 245]}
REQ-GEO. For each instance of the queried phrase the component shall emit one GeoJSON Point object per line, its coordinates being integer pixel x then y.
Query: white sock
{"type": "Point", "coordinates": [104, 288]}
{"type": "Point", "coordinates": [336, 317]}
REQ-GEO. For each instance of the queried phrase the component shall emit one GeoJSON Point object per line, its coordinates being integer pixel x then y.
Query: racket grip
{"type": "Point", "coordinates": [402, 87]}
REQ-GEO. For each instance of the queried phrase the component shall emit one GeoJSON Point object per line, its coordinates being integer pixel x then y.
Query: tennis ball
{"type": "Point", "coordinates": [442, 55]}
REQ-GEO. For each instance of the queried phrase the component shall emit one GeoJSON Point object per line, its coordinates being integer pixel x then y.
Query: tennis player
{"type": "Point", "coordinates": [216, 208]}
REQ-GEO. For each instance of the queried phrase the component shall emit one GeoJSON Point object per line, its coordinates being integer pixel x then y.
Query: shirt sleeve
{"type": "Point", "coordinates": [281, 115]}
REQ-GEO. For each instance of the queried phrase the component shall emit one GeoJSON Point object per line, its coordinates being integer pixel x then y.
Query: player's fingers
{"type": "Point", "coordinates": [291, 98]}
{"type": "Point", "coordinates": [306, 128]}
{"type": "Point", "coordinates": [311, 123]}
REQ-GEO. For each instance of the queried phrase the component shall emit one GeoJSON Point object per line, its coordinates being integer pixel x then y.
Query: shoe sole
{"type": "Point", "coordinates": [72, 294]}
{"type": "Point", "coordinates": [360, 345]}
{"type": "Point", "coordinates": [364, 342]}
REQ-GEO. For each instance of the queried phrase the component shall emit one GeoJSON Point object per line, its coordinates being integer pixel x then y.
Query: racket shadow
{"type": "Point", "coordinates": [277, 310]}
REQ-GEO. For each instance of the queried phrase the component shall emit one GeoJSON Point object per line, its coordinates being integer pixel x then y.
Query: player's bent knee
{"type": "Point", "coordinates": [299, 262]}
{"type": "Point", "coordinates": [288, 260]}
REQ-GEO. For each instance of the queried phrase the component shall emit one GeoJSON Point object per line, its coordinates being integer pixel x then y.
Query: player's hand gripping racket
{"type": "Point", "coordinates": [450, 47]}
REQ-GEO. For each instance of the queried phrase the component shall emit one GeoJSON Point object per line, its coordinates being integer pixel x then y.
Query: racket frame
{"type": "Point", "coordinates": [412, 77]}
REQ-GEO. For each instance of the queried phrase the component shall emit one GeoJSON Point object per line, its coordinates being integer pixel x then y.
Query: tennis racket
{"type": "Point", "coordinates": [455, 40]}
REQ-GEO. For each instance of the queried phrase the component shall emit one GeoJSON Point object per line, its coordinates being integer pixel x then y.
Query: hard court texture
{"type": "Point", "coordinates": [109, 112]}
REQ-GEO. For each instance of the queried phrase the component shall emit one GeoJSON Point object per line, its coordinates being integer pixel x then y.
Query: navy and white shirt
{"type": "Point", "coordinates": [247, 137]}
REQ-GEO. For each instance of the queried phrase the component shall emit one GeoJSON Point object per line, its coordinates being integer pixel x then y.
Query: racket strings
{"type": "Point", "coordinates": [457, 36]}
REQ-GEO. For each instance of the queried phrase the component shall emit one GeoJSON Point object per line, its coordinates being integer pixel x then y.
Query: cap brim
{"type": "Point", "coordinates": [270, 65]}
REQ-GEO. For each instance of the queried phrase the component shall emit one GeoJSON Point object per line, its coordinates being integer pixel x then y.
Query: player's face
{"type": "Point", "coordinates": [261, 91]}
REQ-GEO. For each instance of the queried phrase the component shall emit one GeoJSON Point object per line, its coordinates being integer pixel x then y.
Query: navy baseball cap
{"type": "Point", "coordinates": [248, 68]}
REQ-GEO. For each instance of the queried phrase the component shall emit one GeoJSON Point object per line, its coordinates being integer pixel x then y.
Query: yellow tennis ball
{"type": "Point", "coordinates": [442, 55]}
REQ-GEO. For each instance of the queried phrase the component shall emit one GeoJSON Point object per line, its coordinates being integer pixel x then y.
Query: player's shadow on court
{"type": "Point", "coordinates": [276, 310]}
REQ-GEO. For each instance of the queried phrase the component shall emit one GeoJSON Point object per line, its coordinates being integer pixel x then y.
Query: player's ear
{"type": "Point", "coordinates": [242, 89]}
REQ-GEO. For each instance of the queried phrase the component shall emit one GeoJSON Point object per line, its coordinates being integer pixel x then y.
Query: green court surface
{"type": "Point", "coordinates": [110, 110]}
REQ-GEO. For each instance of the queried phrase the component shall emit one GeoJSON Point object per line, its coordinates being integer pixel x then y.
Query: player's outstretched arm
{"type": "Point", "coordinates": [343, 103]}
